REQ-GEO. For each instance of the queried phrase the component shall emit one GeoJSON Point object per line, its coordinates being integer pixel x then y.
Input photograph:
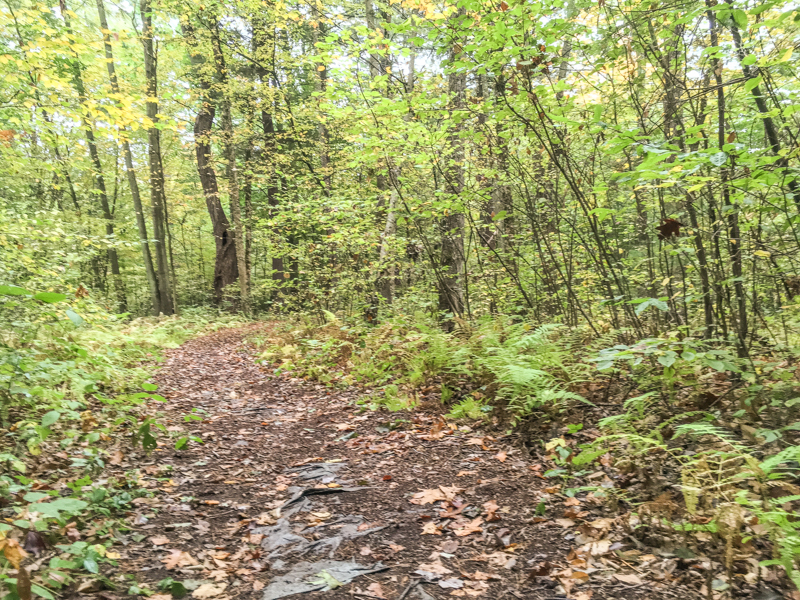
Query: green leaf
{"type": "Point", "coordinates": [50, 418]}
{"type": "Point", "coordinates": [56, 507]}
{"type": "Point", "coordinates": [752, 83]}
{"type": "Point", "coordinates": [91, 565]}
{"type": "Point", "coordinates": [40, 591]}
{"type": "Point", "coordinates": [75, 317]}
{"type": "Point", "coordinates": [181, 443]}
{"type": "Point", "coordinates": [659, 304]}
{"type": "Point", "coordinates": [12, 290]}
{"type": "Point", "coordinates": [717, 365]}
{"type": "Point", "coordinates": [150, 387]}
{"type": "Point", "coordinates": [740, 17]}
{"type": "Point", "coordinates": [49, 297]}
{"type": "Point", "coordinates": [750, 59]}
{"type": "Point", "coordinates": [668, 359]}
{"type": "Point", "coordinates": [718, 159]}
{"type": "Point", "coordinates": [35, 496]}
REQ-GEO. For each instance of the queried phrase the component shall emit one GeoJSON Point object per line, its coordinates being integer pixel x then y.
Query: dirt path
{"type": "Point", "coordinates": [293, 473]}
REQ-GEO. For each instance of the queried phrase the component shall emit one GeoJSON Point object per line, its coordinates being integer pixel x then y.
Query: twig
{"type": "Point", "coordinates": [411, 585]}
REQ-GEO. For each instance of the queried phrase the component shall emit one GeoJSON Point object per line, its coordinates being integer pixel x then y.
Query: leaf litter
{"type": "Point", "coordinates": [297, 489]}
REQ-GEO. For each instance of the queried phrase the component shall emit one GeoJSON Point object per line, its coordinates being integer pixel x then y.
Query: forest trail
{"type": "Point", "coordinates": [292, 473]}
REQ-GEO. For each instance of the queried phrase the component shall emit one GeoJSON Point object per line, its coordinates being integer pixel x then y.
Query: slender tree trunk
{"type": "Point", "coordinates": [133, 183]}
{"type": "Point", "coordinates": [734, 234]}
{"type": "Point", "coordinates": [99, 180]}
{"type": "Point", "coordinates": [158, 197]}
{"type": "Point", "coordinates": [231, 171]}
{"type": "Point", "coordinates": [451, 284]}
{"type": "Point", "coordinates": [264, 50]}
{"type": "Point", "coordinates": [321, 83]}
{"type": "Point", "coordinates": [771, 132]}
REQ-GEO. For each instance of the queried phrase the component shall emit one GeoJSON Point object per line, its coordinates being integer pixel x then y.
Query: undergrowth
{"type": "Point", "coordinates": [703, 450]}
{"type": "Point", "coordinates": [73, 389]}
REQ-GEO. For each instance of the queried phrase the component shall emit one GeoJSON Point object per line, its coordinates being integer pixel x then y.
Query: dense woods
{"type": "Point", "coordinates": [611, 165]}
{"type": "Point", "coordinates": [530, 206]}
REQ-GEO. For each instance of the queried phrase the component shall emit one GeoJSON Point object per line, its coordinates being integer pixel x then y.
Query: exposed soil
{"type": "Point", "coordinates": [487, 525]}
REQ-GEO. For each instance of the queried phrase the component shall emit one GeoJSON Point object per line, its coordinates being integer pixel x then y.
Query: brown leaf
{"type": "Point", "coordinates": [376, 590]}
{"type": "Point", "coordinates": [504, 6]}
{"type": "Point", "coordinates": [541, 570]}
{"type": "Point", "coordinates": [491, 509]}
{"type": "Point", "coordinates": [731, 137]}
{"type": "Point", "coordinates": [473, 527]}
{"type": "Point", "coordinates": [450, 546]}
{"type": "Point", "coordinates": [209, 590]}
{"type": "Point", "coordinates": [13, 551]}
{"type": "Point", "coordinates": [572, 502]}
{"type": "Point", "coordinates": [396, 547]}
{"type": "Point", "coordinates": [435, 495]}
{"type": "Point", "coordinates": [258, 586]}
{"type": "Point", "coordinates": [116, 458]}
{"type": "Point", "coordinates": [431, 528]}
{"type": "Point", "coordinates": [501, 456]}
{"type": "Point", "coordinates": [669, 228]}
{"type": "Point", "coordinates": [628, 578]}
{"type": "Point", "coordinates": [159, 540]}
{"type": "Point", "coordinates": [435, 567]}
{"type": "Point", "coordinates": [178, 558]}
{"type": "Point", "coordinates": [365, 551]}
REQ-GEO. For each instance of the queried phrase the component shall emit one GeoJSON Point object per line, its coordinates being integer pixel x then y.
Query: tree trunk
{"type": "Point", "coordinates": [99, 180]}
{"type": "Point", "coordinates": [231, 171]}
{"type": "Point", "coordinates": [451, 285]}
{"type": "Point", "coordinates": [133, 184]}
{"type": "Point", "coordinates": [158, 197]}
{"type": "Point", "coordinates": [225, 265]}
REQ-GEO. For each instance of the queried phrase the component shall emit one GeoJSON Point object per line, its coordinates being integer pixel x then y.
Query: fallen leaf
{"type": "Point", "coordinates": [431, 528]}
{"type": "Point", "coordinates": [13, 551]}
{"type": "Point", "coordinates": [159, 540]}
{"type": "Point", "coordinates": [116, 457]}
{"type": "Point", "coordinates": [365, 551]}
{"type": "Point", "coordinates": [258, 586]}
{"type": "Point", "coordinates": [473, 527]}
{"type": "Point", "coordinates": [565, 522]}
{"type": "Point", "coordinates": [435, 495]}
{"type": "Point", "coordinates": [396, 547]}
{"type": "Point", "coordinates": [628, 578]}
{"type": "Point", "coordinates": [597, 548]}
{"type": "Point", "coordinates": [491, 507]}
{"type": "Point", "coordinates": [572, 502]}
{"type": "Point", "coordinates": [376, 590]}
{"type": "Point", "coordinates": [178, 558]}
{"type": "Point", "coordinates": [209, 590]}
{"type": "Point", "coordinates": [501, 456]}
{"type": "Point", "coordinates": [435, 567]}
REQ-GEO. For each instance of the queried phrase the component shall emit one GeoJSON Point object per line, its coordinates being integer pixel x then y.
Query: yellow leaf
{"type": "Point", "coordinates": [786, 55]}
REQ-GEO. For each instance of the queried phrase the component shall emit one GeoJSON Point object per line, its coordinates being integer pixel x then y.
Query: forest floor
{"type": "Point", "coordinates": [297, 488]}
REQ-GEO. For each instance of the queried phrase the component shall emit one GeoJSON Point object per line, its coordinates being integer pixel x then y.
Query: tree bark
{"type": "Point", "coordinates": [158, 197]}
{"type": "Point", "coordinates": [451, 284]}
{"type": "Point", "coordinates": [231, 171]}
{"type": "Point", "coordinates": [99, 179]}
{"type": "Point", "coordinates": [225, 265]}
{"type": "Point", "coordinates": [133, 183]}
